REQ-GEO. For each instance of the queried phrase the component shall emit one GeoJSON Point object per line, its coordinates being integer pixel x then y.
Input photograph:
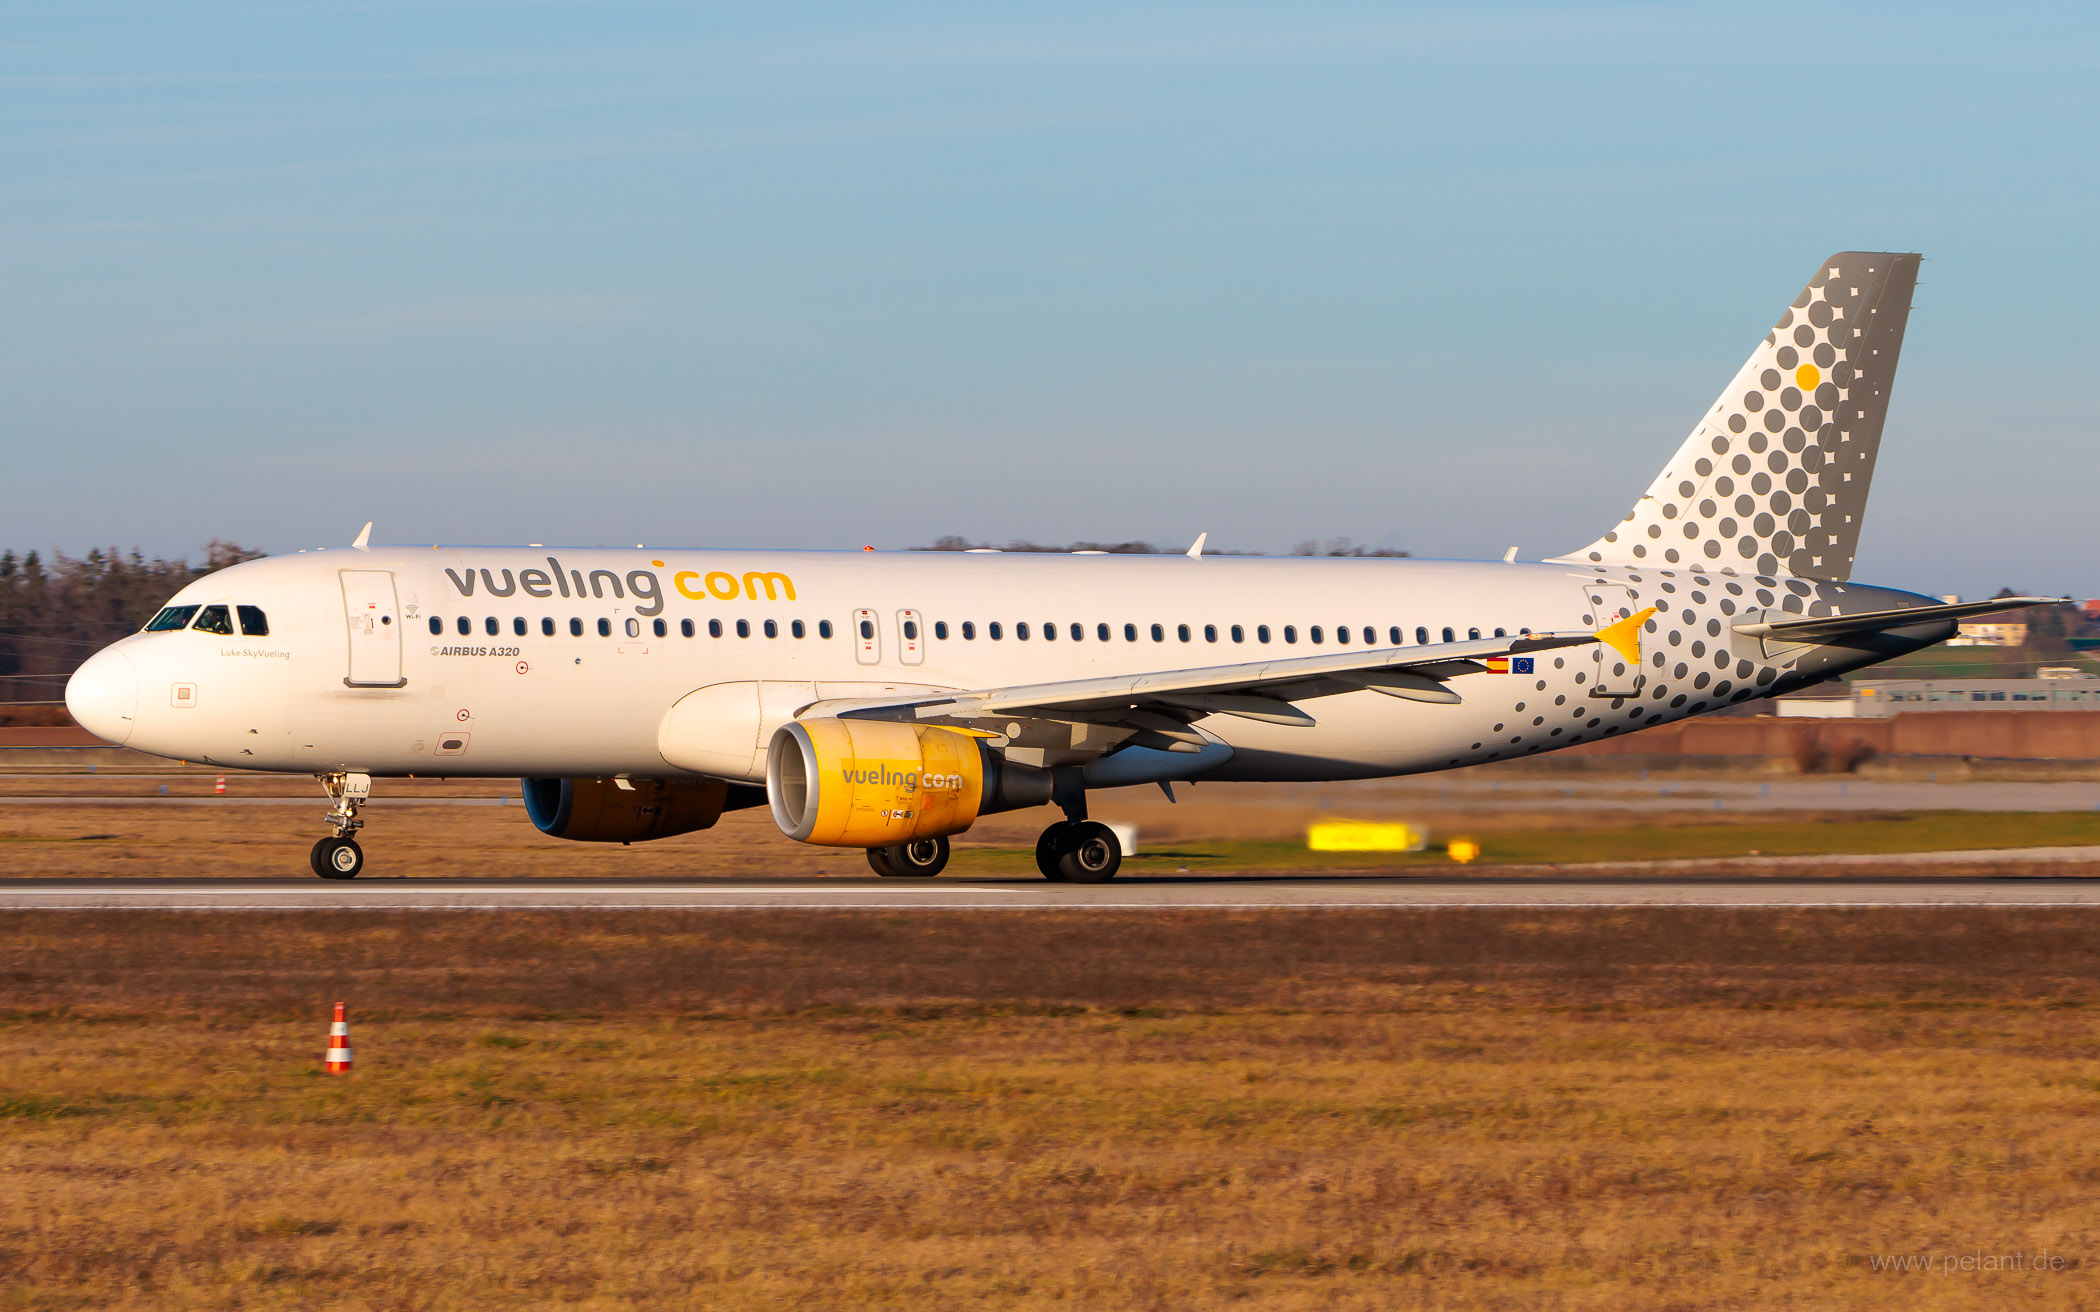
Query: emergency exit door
{"type": "Point", "coordinates": [1616, 674]}
{"type": "Point", "coordinates": [374, 620]}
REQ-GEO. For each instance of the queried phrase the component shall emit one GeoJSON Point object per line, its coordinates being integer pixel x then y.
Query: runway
{"type": "Point", "coordinates": [1157, 894]}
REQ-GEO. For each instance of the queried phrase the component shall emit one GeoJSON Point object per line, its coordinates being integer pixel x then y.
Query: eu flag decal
{"type": "Point", "coordinates": [1520, 664]}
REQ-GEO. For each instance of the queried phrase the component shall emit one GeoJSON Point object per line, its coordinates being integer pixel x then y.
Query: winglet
{"type": "Point", "coordinates": [1624, 636]}
{"type": "Point", "coordinates": [1196, 548]}
{"type": "Point", "coordinates": [1509, 557]}
{"type": "Point", "coordinates": [364, 537]}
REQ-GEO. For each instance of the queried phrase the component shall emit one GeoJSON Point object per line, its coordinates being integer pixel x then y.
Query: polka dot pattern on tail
{"type": "Point", "coordinates": [1774, 479]}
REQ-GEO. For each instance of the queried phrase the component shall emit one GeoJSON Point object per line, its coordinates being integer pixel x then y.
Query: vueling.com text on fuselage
{"type": "Point", "coordinates": [643, 585]}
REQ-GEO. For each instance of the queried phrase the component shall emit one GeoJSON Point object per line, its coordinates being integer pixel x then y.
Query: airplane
{"type": "Point", "coordinates": [887, 700]}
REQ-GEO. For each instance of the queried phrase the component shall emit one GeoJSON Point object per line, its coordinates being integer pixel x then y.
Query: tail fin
{"type": "Point", "coordinates": [1774, 479]}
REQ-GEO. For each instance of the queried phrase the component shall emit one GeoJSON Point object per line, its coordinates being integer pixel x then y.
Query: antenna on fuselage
{"type": "Point", "coordinates": [363, 541]}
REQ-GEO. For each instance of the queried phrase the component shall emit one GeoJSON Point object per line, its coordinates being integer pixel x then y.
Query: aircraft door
{"type": "Point", "coordinates": [911, 637]}
{"type": "Point", "coordinates": [867, 638]}
{"type": "Point", "coordinates": [1615, 673]}
{"type": "Point", "coordinates": [374, 619]}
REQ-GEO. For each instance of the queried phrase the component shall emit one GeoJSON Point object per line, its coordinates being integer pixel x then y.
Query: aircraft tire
{"type": "Point", "coordinates": [337, 858]}
{"type": "Point", "coordinates": [1049, 848]}
{"type": "Point", "coordinates": [1090, 854]}
{"type": "Point", "coordinates": [921, 859]}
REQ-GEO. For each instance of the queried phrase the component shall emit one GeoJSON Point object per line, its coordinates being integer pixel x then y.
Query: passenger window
{"type": "Point", "coordinates": [1500, 634]}
{"type": "Point", "coordinates": [633, 627]}
{"type": "Point", "coordinates": [575, 627]}
{"type": "Point", "coordinates": [1050, 632]}
{"type": "Point", "coordinates": [661, 629]}
{"type": "Point", "coordinates": [823, 628]}
{"type": "Point", "coordinates": [1101, 632]}
{"type": "Point", "coordinates": [253, 625]}
{"type": "Point", "coordinates": [714, 628]}
{"type": "Point", "coordinates": [1422, 636]}
{"type": "Point", "coordinates": [179, 617]}
{"type": "Point", "coordinates": [1370, 636]}
{"type": "Point", "coordinates": [743, 628]}
{"type": "Point", "coordinates": [969, 630]}
{"type": "Point", "coordinates": [604, 627]}
{"type": "Point", "coordinates": [1181, 631]}
{"type": "Point", "coordinates": [1078, 632]}
{"type": "Point", "coordinates": [1261, 633]}
{"type": "Point", "coordinates": [1290, 633]}
{"type": "Point", "coordinates": [867, 628]}
{"type": "Point", "coordinates": [1317, 636]}
{"type": "Point", "coordinates": [685, 628]}
{"type": "Point", "coordinates": [1238, 634]}
{"type": "Point", "coordinates": [436, 625]}
{"type": "Point", "coordinates": [1159, 634]}
{"type": "Point", "coordinates": [1130, 633]}
{"type": "Point", "coordinates": [940, 630]}
{"type": "Point", "coordinates": [1210, 633]}
{"type": "Point", "coordinates": [465, 626]}
{"type": "Point", "coordinates": [517, 626]}
{"type": "Point", "coordinates": [1393, 634]}
{"type": "Point", "coordinates": [911, 630]}
{"type": "Point", "coordinates": [992, 630]}
{"type": "Point", "coordinates": [492, 626]}
{"type": "Point", "coordinates": [801, 632]}
{"type": "Point", "coordinates": [1473, 634]}
{"type": "Point", "coordinates": [773, 629]}
{"type": "Point", "coordinates": [1341, 633]}
{"type": "Point", "coordinates": [1448, 637]}
{"type": "Point", "coordinates": [547, 625]}
{"type": "Point", "coordinates": [1021, 631]}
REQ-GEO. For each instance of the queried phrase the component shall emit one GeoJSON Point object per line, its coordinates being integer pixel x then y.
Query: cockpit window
{"type": "Point", "coordinates": [253, 623]}
{"type": "Point", "coordinates": [173, 617]}
{"type": "Point", "coordinates": [215, 619]}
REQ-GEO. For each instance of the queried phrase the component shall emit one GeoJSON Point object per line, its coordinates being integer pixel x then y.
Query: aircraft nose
{"type": "Point", "coordinates": [103, 695]}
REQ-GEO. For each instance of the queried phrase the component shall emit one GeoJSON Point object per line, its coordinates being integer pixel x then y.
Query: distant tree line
{"type": "Point", "coordinates": [55, 614]}
{"type": "Point", "coordinates": [1331, 547]}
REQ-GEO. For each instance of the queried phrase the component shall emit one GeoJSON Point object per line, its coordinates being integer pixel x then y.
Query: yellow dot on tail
{"type": "Point", "coordinates": [1807, 376]}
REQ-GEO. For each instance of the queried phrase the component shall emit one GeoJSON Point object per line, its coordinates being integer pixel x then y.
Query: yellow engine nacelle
{"type": "Point", "coordinates": [601, 811]}
{"type": "Point", "coordinates": [873, 783]}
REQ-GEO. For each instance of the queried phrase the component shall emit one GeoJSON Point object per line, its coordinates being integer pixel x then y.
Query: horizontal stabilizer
{"type": "Point", "coordinates": [1876, 621]}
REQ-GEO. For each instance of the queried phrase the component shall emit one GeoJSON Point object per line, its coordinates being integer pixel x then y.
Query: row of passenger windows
{"type": "Point", "coordinates": [632, 627]}
{"type": "Point", "coordinates": [993, 630]}
{"type": "Point", "coordinates": [211, 619]}
{"type": "Point", "coordinates": [1342, 633]}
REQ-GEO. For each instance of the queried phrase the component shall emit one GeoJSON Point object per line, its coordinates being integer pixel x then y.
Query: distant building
{"type": "Point", "coordinates": [1990, 631]}
{"type": "Point", "coordinates": [1878, 698]}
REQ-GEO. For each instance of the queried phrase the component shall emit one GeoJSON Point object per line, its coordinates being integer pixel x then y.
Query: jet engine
{"type": "Point", "coordinates": [627, 810]}
{"type": "Point", "coordinates": [878, 783]}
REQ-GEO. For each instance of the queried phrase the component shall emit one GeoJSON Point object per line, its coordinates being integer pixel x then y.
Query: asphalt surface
{"type": "Point", "coordinates": [1155, 893]}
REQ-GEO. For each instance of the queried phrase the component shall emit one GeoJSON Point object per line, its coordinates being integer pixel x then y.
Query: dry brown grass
{"type": "Point", "coordinates": [1467, 1109]}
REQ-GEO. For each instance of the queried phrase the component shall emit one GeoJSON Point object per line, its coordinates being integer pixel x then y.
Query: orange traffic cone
{"type": "Point", "coordinates": [220, 787]}
{"type": "Point", "coordinates": [337, 1061]}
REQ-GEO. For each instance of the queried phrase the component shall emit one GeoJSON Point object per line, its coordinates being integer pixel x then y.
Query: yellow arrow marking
{"type": "Point", "coordinates": [1625, 635]}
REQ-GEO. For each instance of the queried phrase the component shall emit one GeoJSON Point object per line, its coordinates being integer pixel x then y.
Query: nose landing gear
{"type": "Point", "coordinates": [339, 856]}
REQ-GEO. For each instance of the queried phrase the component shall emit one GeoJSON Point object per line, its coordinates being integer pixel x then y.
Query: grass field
{"type": "Point", "coordinates": [1463, 1109]}
{"type": "Point", "coordinates": [1222, 832]}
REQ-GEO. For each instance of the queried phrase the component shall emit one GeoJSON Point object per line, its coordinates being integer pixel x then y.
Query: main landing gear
{"type": "Point", "coordinates": [1076, 850]}
{"type": "Point", "coordinates": [339, 856]}
{"type": "Point", "coordinates": [920, 859]}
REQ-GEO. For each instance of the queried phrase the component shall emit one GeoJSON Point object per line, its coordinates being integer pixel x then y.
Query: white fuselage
{"type": "Point", "coordinates": [337, 685]}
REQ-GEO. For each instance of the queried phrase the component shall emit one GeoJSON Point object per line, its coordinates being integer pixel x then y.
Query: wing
{"type": "Point", "coordinates": [1837, 626]}
{"type": "Point", "coordinates": [1156, 709]}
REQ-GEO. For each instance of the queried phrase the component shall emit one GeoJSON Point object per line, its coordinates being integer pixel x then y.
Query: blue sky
{"type": "Point", "coordinates": [1448, 278]}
